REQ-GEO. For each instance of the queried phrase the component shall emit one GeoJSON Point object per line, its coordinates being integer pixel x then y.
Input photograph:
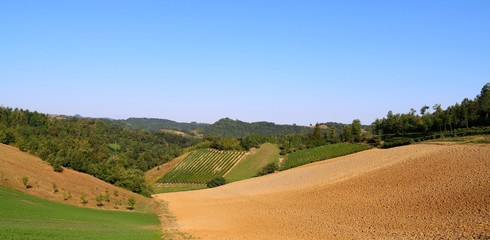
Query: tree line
{"type": "Point", "coordinates": [469, 113]}
{"type": "Point", "coordinates": [103, 148]}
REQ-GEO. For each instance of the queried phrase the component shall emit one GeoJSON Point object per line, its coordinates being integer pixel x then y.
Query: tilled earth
{"type": "Point", "coordinates": [417, 191]}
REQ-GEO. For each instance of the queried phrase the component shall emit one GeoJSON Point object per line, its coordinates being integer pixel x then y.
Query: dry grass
{"type": "Point", "coordinates": [15, 164]}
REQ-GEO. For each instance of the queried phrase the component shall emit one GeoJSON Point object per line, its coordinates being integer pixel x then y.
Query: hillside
{"type": "Point", "coordinates": [227, 127]}
{"type": "Point", "coordinates": [417, 191]}
{"type": "Point", "coordinates": [155, 124]}
{"type": "Point", "coordinates": [28, 217]}
{"type": "Point", "coordinates": [14, 165]}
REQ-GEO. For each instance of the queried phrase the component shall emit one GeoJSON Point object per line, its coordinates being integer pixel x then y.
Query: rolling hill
{"type": "Point", "coordinates": [15, 164]}
{"type": "Point", "coordinates": [414, 192]}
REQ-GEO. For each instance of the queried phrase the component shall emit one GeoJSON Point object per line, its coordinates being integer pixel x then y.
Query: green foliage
{"type": "Point", "coordinates": [25, 181]}
{"type": "Point", "coordinates": [83, 198]}
{"type": "Point", "coordinates": [202, 165]}
{"type": "Point", "coordinates": [227, 143]}
{"type": "Point", "coordinates": [57, 167]}
{"type": "Point", "coordinates": [227, 127]}
{"type": "Point", "coordinates": [27, 217]}
{"type": "Point", "coordinates": [215, 182]}
{"type": "Point", "coordinates": [467, 114]}
{"type": "Point", "coordinates": [155, 124]}
{"type": "Point", "coordinates": [395, 142]}
{"type": "Point", "coordinates": [100, 200]}
{"type": "Point", "coordinates": [131, 203]}
{"type": "Point", "coordinates": [321, 153]}
{"type": "Point", "coordinates": [269, 168]}
{"type": "Point", "coordinates": [88, 145]}
{"type": "Point", "coordinates": [254, 162]}
{"type": "Point", "coordinates": [66, 196]}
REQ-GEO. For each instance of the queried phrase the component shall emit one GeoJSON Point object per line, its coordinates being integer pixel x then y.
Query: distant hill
{"type": "Point", "coordinates": [155, 124]}
{"type": "Point", "coordinates": [227, 127]}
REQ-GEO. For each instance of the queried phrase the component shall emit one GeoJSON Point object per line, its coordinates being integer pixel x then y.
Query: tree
{"type": "Point", "coordinates": [215, 182]}
{"type": "Point", "coordinates": [484, 103]}
{"type": "Point", "coordinates": [99, 199]}
{"type": "Point", "coordinates": [347, 134]}
{"type": "Point", "coordinates": [356, 130]}
{"type": "Point", "coordinates": [25, 181]}
{"type": "Point", "coordinates": [131, 203]}
{"type": "Point", "coordinates": [83, 198]}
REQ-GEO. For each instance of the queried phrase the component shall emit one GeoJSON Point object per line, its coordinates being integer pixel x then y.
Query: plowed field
{"type": "Point", "coordinates": [417, 191]}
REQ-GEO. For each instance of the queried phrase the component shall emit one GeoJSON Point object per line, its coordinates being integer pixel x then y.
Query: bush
{"type": "Point", "coordinates": [131, 203]}
{"type": "Point", "coordinates": [267, 169]}
{"type": "Point", "coordinates": [66, 196]}
{"type": "Point", "coordinates": [84, 199]}
{"type": "Point", "coordinates": [55, 188]}
{"type": "Point", "coordinates": [57, 167]}
{"type": "Point", "coordinates": [395, 142]}
{"type": "Point", "coordinates": [215, 182]}
{"type": "Point", "coordinates": [99, 199]}
{"type": "Point", "coordinates": [25, 181]}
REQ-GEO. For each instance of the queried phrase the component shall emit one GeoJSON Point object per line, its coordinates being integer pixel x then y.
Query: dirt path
{"type": "Point", "coordinates": [416, 191]}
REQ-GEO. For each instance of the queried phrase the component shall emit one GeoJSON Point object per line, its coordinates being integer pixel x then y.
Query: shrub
{"type": "Point", "coordinates": [131, 203]}
{"type": "Point", "coordinates": [55, 188]}
{"type": "Point", "coordinates": [395, 142]}
{"type": "Point", "coordinates": [25, 181]}
{"type": "Point", "coordinates": [66, 196]}
{"type": "Point", "coordinates": [107, 196]}
{"type": "Point", "coordinates": [57, 167]}
{"type": "Point", "coordinates": [99, 199]}
{"type": "Point", "coordinates": [215, 182]}
{"type": "Point", "coordinates": [116, 193]}
{"type": "Point", "coordinates": [84, 199]}
{"type": "Point", "coordinates": [267, 169]}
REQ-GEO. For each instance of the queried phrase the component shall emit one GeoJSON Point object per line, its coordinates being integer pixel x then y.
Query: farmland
{"type": "Point", "coordinates": [321, 153]}
{"type": "Point", "coordinates": [202, 165]}
{"type": "Point", "coordinates": [420, 191]}
{"type": "Point", "coordinates": [254, 162]}
{"type": "Point", "coordinates": [28, 217]}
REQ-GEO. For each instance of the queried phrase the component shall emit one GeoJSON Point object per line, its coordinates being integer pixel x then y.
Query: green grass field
{"type": "Point", "coordinates": [252, 163]}
{"type": "Point", "coordinates": [166, 188]}
{"type": "Point", "coordinates": [321, 153]}
{"type": "Point", "coordinates": [202, 165]}
{"type": "Point", "coordinates": [26, 217]}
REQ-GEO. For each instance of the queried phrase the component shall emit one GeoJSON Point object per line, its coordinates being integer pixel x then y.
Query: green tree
{"type": "Point", "coordinates": [131, 203]}
{"type": "Point", "coordinates": [346, 134]}
{"type": "Point", "coordinates": [356, 130]}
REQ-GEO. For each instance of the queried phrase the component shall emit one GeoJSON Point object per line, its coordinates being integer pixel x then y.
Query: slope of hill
{"type": "Point", "coordinates": [227, 127]}
{"type": "Point", "coordinates": [157, 124]}
{"type": "Point", "coordinates": [28, 217]}
{"type": "Point", "coordinates": [417, 191]}
{"type": "Point", "coordinates": [15, 164]}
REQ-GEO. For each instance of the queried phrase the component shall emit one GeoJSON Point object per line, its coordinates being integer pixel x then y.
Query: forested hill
{"type": "Point", "coordinates": [155, 124]}
{"type": "Point", "coordinates": [227, 127]}
{"type": "Point", "coordinates": [103, 148]}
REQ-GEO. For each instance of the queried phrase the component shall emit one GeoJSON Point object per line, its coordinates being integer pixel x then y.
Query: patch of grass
{"type": "Point", "coordinates": [166, 188]}
{"type": "Point", "coordinates": [321, 153]}
{"type": "Point", "coordinates": [253, 163]}
{"type": "Point", "coordinates": [27, 217]}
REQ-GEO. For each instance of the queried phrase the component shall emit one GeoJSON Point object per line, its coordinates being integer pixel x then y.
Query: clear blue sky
{"type": "Point", "coordinates": [282, 61]}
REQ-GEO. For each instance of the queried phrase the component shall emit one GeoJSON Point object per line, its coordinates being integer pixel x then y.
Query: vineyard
{"type": "Point", "coordinates": [203, 165]}
{"type": "Point", "coordinates": [321, 153]}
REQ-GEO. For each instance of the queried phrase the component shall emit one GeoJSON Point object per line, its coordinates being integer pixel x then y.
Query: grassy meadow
{"type": "Point", "coordinates": [26, 217]}
{"type": "Point", "coordinates": [252, 163]}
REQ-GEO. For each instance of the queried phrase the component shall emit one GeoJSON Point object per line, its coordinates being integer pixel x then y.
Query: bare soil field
{"type": "Point", "coordinates": [15, 164]}
{"type": "Point", "coordinates": [412, 192]}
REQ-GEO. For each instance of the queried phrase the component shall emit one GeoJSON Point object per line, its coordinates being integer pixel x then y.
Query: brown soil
{"type": "Point", "coordinates": [416, 192]}
{"type": "Point", "coordinates": [15, 164]}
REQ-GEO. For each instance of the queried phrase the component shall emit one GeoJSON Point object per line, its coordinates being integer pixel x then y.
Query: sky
{"type": "Point", "coordinates": [287, 62]}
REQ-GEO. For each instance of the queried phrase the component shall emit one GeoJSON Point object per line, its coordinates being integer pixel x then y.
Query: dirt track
{"type": "Point", "coordinates": [417, 191]}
